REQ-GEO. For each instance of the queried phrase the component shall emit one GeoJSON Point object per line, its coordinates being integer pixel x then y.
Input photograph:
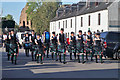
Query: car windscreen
{"type": "Point", "coordinates": [113, 37]}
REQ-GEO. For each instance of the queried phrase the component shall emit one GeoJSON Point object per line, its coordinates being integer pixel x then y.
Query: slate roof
{"type": "Point", "coordinates": [83, 10]}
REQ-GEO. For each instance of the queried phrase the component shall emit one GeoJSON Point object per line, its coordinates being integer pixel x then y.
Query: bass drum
{"type": "Point", "coordinates": [27, 46]}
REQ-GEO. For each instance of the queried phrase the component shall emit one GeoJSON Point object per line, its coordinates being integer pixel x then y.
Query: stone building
{"type": "Point", "coordinates": [23, 19]}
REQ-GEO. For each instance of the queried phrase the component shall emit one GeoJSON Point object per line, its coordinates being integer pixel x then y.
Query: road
{"type": "Point", "coordinates": [26, 68]}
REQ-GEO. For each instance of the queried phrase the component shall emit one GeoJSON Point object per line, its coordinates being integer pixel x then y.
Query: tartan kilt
{"type": "Point", "coordinates": [98, 50]}
{"type": "Point", "coordinates": [61, 48]}
{"type": "Point", "coordinates": [72, 48]}
{"type": "Point", "coordinates": [13, 48]}
{"type": "Point", "coordinates": [47, 46]}
{"type": "Point", "coordinates": [53, 47]}
{"type": "Point", "coordinates": [39, 50]}
{"type": "Point", "coordinates": [79, 48]}
{"type": "Point", "coordinates": [32, 47]}
{"type": "Point", "coordinates": [88, 47]}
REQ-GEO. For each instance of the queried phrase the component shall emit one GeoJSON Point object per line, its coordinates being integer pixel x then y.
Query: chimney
{"type": "Point", "coordinates": [87, 3]}
{"type": "Point", "coordinates": [73, 7]}
{"type": "Point", "coordinates": [96, 2]}
{"type": "Point", "coordinates": [80, 5]}
{"type": "Point", "coordinates": [59, 12]}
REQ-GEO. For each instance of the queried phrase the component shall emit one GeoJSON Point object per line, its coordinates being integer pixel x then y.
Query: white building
{"type": "Point", "coordinates": [87, 16]}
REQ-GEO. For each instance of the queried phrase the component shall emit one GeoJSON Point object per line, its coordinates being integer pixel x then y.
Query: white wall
{"type": "Point", "coordinates": [54, 26]}
{"type": "Point", "coordinates": [93, 22]}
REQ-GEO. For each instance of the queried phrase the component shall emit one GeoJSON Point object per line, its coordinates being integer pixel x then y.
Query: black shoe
{"type": "Point", "coordinates": [41, 63]}
{"type": "Point", "coordinates": [92, 60]}
{"type": "Point", "coordinates": [64, 62]}
{"type": "Point", "coordinates": [15, 62]}
{"type": "Point", "coordinates": [83, 62]}
{"type": "Point", "coordinates": [57, 60]}
{"type": "Point", "coordinates": [70, 58]}
{"type": "Point", "coordinates": [97, 62]}
{"type": "Point", "coordinates": [102, 62]}
{"type": "Point", "coordinates": [78, 61]}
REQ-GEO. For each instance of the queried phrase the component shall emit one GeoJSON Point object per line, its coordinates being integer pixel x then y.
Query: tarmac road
{"type": "Point", "coordinates": [26, 68]}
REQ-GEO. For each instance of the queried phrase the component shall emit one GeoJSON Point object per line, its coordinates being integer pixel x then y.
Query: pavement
{"type": "Point", "coordinates": [26, 68]}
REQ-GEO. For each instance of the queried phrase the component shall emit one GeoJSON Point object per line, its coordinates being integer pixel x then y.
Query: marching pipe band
{"type": "Point", "coordinates": [82, 46]}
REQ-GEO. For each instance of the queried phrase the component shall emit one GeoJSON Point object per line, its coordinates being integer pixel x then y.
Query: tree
{"type": "Point", "coordinates": [40, 13]}
{"type": "Point", "coordinates": [9, 17]}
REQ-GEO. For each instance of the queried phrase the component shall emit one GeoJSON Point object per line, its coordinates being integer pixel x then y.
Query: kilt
{"type": "Point", "coordinates": [79, 48]}
{"type": "Point", "coordinates": [72, 48]}
{"type": "Point", "coordinates": [53, 47]}
{"type": "Point", "coordinates": [88, 47]}
{"type": "Point", "coordinates": [32, 47]}
{"type": "Point", "coordinates": [61, 48]}
{"type": "Point", "coordinates": [13, 48]}
{"type": "Point", "coordinates": [39, 50]}
{"type": "Point", "coordinates": [47, 46]}
{"type": "Point", "coordinates": [97, 50]}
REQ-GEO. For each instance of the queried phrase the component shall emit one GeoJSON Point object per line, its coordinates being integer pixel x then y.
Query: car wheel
{"type": "Point", "coordinates": [119, 55]}
{"type": "Point", "coordinates": [115, 56]}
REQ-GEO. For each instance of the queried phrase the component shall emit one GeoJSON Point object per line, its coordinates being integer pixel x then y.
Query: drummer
{"type": "Point", "coordinates": [27, 44]}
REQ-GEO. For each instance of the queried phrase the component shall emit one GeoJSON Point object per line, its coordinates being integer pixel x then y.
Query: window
{"type": "Point", "coordinates": [99, 19]}
{"type": "Point", "coordinates": [89, 20]}
{"type": "Point", "coordinates": [63, 24]}
{"type": "Point", "coordinates": [71, 23]}
{"type": "Point", "coordinates": [66, 23]}
{"type": "Point", "coordinates": [68, 35]}
{"type": "Point", "coordinates": [81, 21]}
{"type": "Point", "coordinates": [59, 25]}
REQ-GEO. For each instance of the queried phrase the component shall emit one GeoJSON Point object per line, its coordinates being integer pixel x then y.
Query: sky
{"type": "Point", "coordinates": [15, 8]}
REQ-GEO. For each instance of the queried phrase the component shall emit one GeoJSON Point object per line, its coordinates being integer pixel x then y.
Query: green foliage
{"type": "Point", "coordinates": [9, 17]}
{"type": "Point", "coordinates": [40, 13]}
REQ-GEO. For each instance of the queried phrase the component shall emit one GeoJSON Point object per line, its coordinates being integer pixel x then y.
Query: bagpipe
{"type": "Point", "coordinates": [27, 45]}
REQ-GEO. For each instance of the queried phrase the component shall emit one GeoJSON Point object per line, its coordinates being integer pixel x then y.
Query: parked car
{"type": "Point", "coordinates": [117, 51]}
{"type": "Point", "coordinates": [110, 39]}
